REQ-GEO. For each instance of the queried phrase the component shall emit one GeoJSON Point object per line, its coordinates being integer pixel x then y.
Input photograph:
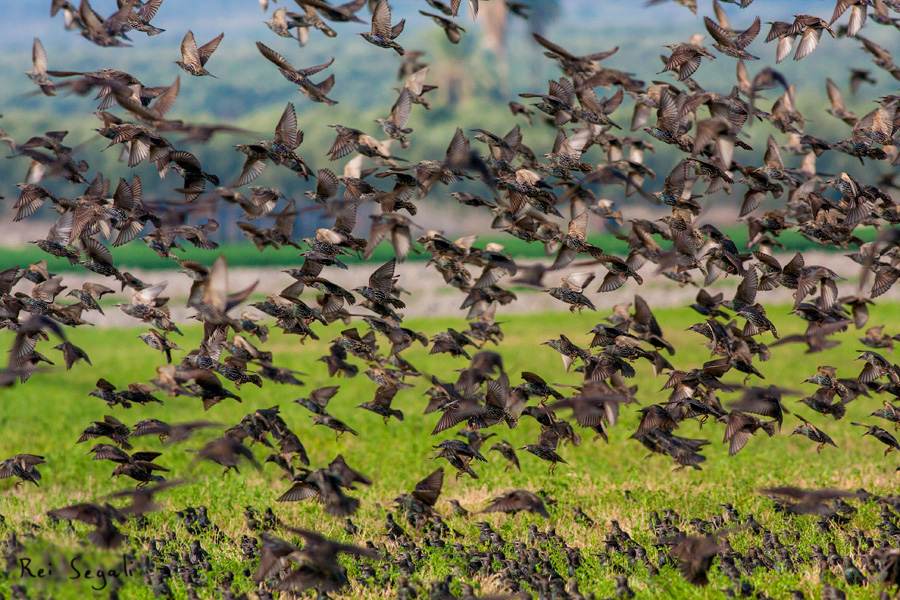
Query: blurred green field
{"type": "Point", "coordinates": [46, 415]}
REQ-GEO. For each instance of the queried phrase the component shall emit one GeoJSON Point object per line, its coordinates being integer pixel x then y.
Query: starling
{"type": "Point", "coordinates": [339, 427]}
{"type": "Point", "coordinates": [808, 502]}
{"type": "Point", "coordinates": [226, 451]}
{"type": "Point", "coordinates": [890, 413]}
{"type": "Point", "coordinates": [318, 567]}
{"type": "Point", "coordinates": [22, 466]}
{"type": "Point", "coordinates": [508, 452]}
{"type": "Point", "coordinates": [193, 59]}
{"type": "Point", "coordinates": [424, 496]}
{"type": "Point", "coordinates": [103, 518]}
{"type": "Point", "coordinates": [877, 367]}
{"type": "Point", "coordinates": [39, 73]}
{"type": "Point", "coordinates": [695, 556]}
{"type": "Point", "coordinates": [381, 405]}
{"type": "Point", "coordinates": [383, 34]}
{"type": "Point", "coordinates": [570, 291]}
{"type": "Point", "coordinates": [177, 432]}
{"type": "Point", "coordinates": [453, 31]}
{"type": "Point", "coordinates": [740, 426]}
{"type": "Point", "coordinates": [518, 500]}
{"type": "Point", "coordinates": [814, 433]}
{"type": "Point", "coordinates": [881, 435]}
{"type": "Point", "coordinates": [318, 399]}
{"type": "Point", "coordinates": [545, 449]}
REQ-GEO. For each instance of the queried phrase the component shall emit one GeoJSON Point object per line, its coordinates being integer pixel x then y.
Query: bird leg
{"type": "Point", "coordinates": [819, 449]}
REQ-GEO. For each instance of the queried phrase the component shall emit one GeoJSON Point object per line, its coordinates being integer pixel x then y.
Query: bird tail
{"type": "Point", "coordinates": [344, 507]}
{"type": "Point", "coordinates": [838, 410]}
{"type": "Point", "coordinates": [397, 414]}
{"type": "Point", "coordinates": [106, 539]}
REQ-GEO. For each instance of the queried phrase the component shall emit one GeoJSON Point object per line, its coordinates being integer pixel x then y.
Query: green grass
{"type": "Point", "coordinates": [46, 415]}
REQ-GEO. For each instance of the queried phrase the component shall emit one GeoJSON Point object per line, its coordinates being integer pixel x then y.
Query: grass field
{"type": "Point", "coordinates": [46, 415]}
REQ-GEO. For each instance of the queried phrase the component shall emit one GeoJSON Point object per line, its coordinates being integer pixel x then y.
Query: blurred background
{"type": "Point", "coordinates": [496, 60]}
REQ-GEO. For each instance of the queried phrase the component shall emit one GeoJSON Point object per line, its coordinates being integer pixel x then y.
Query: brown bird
{"type": "Point", "coordinates": [508, 452]}
{"type": "Point", "coordinates": [39, 72]}
{"type": "Point", "coordinates": [808, 502]}
{"type": "Point", "coordinates": [335, 424]}
{"type": "Point", "coordinates": [425, 494]}
{"type": "Point", "coordinates": [315, 92]}
{"type": "Point", "coordinates": [695, 556]}
{"type": "Point", "coordinates": [383, 33]}
{"type": "Point", "coordinates": [814, 433]}
{"type": "Point", "coordinates": [739, 426]}
{"type": "Point", "coordinates": [193, 59]}
{"type": "Point", "coordinates": [518, 500]}
{"type": "Point", "coordinates": [545, 449]}
{"type": "Point", "coordinates": [22, 466]}
{"type": "Point", "coordinates": [176, 432]}
{"type": "Point", "coordinates": [227, 452]}
{"type": "Point", "coordinates": [452, 30]}
{"type": "Point", "coordinates": [105, 535]}
{"type": "Point", "coordinates": [318, 567]}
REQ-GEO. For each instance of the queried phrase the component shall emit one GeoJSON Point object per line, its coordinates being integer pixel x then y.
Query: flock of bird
{"type": "Point", "coordinates": [524, 193]}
